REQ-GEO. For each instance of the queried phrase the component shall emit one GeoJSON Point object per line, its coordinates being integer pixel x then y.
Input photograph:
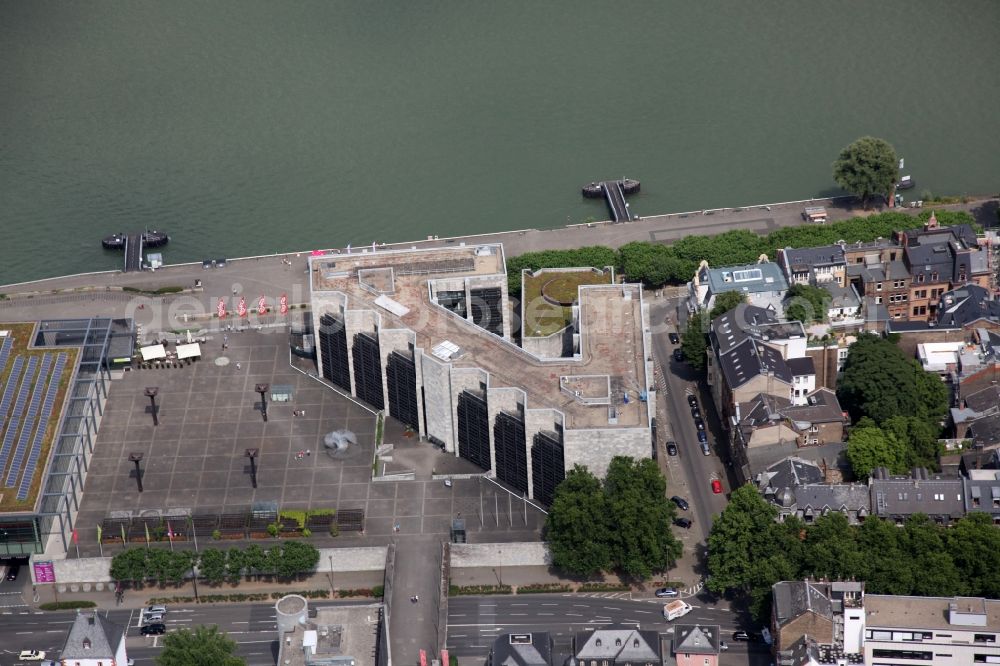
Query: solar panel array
{"type": "Point", "coordinates": [5, 351]}
{"type": "Point", "coordinates": [15, 416]}
{"type": "Point", "coordinates": [30, 421]}
{"type": "Point", "coordinates": [43, 419]}
{"type": "Point", "coordinates": [8, 393]}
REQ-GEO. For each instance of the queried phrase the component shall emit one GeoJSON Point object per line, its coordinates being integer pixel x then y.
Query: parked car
{"type": "Point", "coordinates": [13, 571]}
{"type": "Point", "coordinates": [686, 523]}
{"type": "Point", "coordinates": [722, 646]}
{"type": "Point", "coordinates": [695, 412]}
{"type": "Point", "coordinates": [699, 423]}
{"type": "Point", "coordinates": [667, 592]}
{"type": "Point", "coordinates": [31, 655]}
{"type": "Point", "coordinates": [702, 437]}
{"type": "Point", "coordinates": [672, 448]}
{"type": "Point", "coordinates": [678, 355]}
{"type": "Point", "coordinates": [154, 629]}
{"type": "Point", "coordinates": [692, 400]}
{"type": "Point", "coordinates": [681, 503]}
{"type": "Point", "coordinates": [674, 338]}
{"type": "Point", "coordinates": [152, 618]}
{"type": "Point", "coordinates": [716, 486]}
{"type": "Point", "coordinates": [704, 447]}
{"type": "Point", "coordinates": [152, 610]}
{"type": "Point", "coordinates": [743, 636]}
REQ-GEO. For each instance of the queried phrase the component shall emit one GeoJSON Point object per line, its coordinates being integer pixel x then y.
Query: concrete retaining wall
{"type": "Point", "coordinates": [519, 554]}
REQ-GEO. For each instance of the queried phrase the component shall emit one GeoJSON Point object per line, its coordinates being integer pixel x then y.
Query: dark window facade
{"type": "Point", "coordinates": [916, 655]}
{"type": "Point", "coordinates": [487, 311]}
{"type": "Point", "coordinates": [547, 466]}
{"type": "Point", "coordinates": [454, 301]}
{"type": "Point", "coordinates": [473, 429]}
{"type": "Point", "coordinates": [401, 379]}
{"type": "Point", "coordinates": [511, 453]}
{"type": "Point", "coordinates": [333, 349]}
{"type": "Point", "coordinates": [368, 370]}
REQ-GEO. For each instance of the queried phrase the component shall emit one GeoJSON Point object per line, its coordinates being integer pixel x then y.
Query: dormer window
{"type": "Point", "coordinates": [934, 277]}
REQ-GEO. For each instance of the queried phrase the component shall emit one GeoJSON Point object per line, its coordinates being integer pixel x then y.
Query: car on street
{"type": "Point", "coordinates": [667, 592]}
{"type": "Point", "coordinates": [674, 338]}
{"type": "Point", "coordinates": [702, 437]}
{"type": "Point", "coordinates": [154, 629]}
{"type": "Point", "coordinates": [671, 448]}
{"type": "Point", "coordinates": [695, 412]}
{"type": "Point", "coordinates": [678, 355]}
{"type": "Point", "coordinates": [152, 618]}
{"type": "Point", "coordinates": [699, 423]}
{"type": "Point", "coordinates": [704, 448]}
{"type": "Point", "coordinates": [716, 486]}
{"type": "Point", "coordinates": [686, 523]}
{"type": "Point", "coordinates": [13, 571]}
{"type": "Point", "coordinates": [741, 636]}
{"type": "Point", "coordinates": [31, 655]}
{"type": "Point", "coordinates": [155, 610]}
{"type": "Point", "coordinates": [681, 503]}
{"type": "Point", "coordinates": [692, 400]}
{"type": "Point", "coordinates": [723, 646]}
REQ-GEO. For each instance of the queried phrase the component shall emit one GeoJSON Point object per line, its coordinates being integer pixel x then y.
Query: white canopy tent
{"type": "Point", "coordinates": [192, 350]}
{"type": "Point", "coordinates": [153, 352]}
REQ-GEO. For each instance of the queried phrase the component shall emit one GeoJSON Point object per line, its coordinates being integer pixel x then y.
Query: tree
{"type": "Point", "coordinates": [725, 302]}
{"type": "Point", "coordinates": [641, 542]}
{"type": "Point", "coordinates": [236, 561]}
{"type": "Point", "coordinates": [212, 566]}
{"type": "Point", "coordinates": [868, 448]}
{"type": "Point", "coordinates": [129, 565]}
{"type": "Point", "coordinates": [880, 382]}
{"type": "Point", "coordinates": [807, 303]}
{"type": "Point", "coordinates": [297, 558]}
{"type": "Point", "coordinates": [938, 576]}
{"type": "Point", "coordinates": [920, 437]}
{"type": "Point", "coordinates": [694, 342]}
{"type": "Point", "coordinates": [974, 545]}
{"type": "Point", "coordinates": [887, 566]}
{"type": "Point", "coordinates": [203, 646]}
{"type": "Point", "coordinates": [866, 168]}
{"type": "Point", "coordinates": [254, 559]}
{"type": "Point", "coordinates": [832, 549]}
{"type": "Point", "coordinates": [578, 526]}
{"type": "Point", "coordinates": [741, 544]}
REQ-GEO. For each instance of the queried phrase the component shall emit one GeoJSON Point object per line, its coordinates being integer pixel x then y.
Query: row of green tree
{"type": "Point", "coordinates": [620, 524]}
{"type": "Point", "coordinates": [656, 264]}
{"type": "Point", "coordinates": [897, 408]}
{"type": "Point", "coordinates": [748, 551]}
{"type": "Point", "coordinates": [214, 565]}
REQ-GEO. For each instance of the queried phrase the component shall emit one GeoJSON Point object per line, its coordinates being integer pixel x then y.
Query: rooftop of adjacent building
{"type": "Point", "coordinates": [611, 325]}
{"type": "Point", "coordinates": [750, 278]}
{"type": "Point", "coordinates": [524, 649]}
{"type": "Point", "coordinates": [337, 636]}
{"type": "Point", "coordinates": [92, 636]}
{"type": "Point", "coordinates": [948, 613]}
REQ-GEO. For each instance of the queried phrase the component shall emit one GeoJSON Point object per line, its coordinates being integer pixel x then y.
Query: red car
{"type": "Point", "coordinates": [716, 486]}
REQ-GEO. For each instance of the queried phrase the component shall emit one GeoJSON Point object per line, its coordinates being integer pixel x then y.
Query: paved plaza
{"type": "Point", "coordinates": [209, 414]}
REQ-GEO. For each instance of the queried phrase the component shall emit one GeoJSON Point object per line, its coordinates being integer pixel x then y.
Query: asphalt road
{"type": "Point", "coordinates": [251, 626]}
{"type": "Point", "coordinates": [475, 622]}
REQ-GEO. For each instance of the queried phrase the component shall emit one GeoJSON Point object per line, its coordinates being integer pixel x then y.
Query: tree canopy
{"type": "Point", "coordinates": [748, 552]}
{"type": "Point", "coordinates": [694, 341]}
{"type": "Point", "coordinates": [807, 303]}
{"type": "Point", "coordinates": [725, 302]}
{"type": "Point", "coordinates": [868, 448]}
{"type": "Point", "coordinates": [867, 167]}
{"type": "Point", "coordinates": [622, 524]}
{"type": "Point", "coordinates": [202, 646]}
{"type": "Point", "coordinates": [880, 382]}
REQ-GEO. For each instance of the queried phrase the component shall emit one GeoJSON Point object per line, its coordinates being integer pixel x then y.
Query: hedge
{"type": "Point", "coordinates": [65, 605]}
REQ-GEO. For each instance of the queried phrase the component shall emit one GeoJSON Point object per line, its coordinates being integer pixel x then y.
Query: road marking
{"type": "Point", "coordinates": [543, 614]}
{"type": "Point", "coordinates": [24, 633]}
{"type": "Point", "coordinates": [458, 614]}
{"type": "Point", "coordinates": [573, 615]}
{"type": "Point", "coordinates": [518, 614]}
{"type": "Point", "coordinates": [646, 612]}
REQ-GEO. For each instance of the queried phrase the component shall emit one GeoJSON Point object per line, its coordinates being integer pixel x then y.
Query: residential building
{"type": "Point", "coordinates": [817, 622]}
{"type": "Point", "coordinates": [94, 640]}
{"type": "Point", "coordinates": [531, 649]}
{"type": "Point", "coordinates": [881, 279]}
{"type": "Point", "coordinates": [798, 487]}
{"type": "Point", "coordinates": [817, 266]}
{"type": "Point", "coordinates": [803, 378]}
{"type": "Point", "coordinates": [696, 644]}
{"type": "Point", "coordinates": [762, 284]}
{"type": "Point", "coordinates": [968, 306]}
{"type": "Point", "coordinates": [425, 334]}
{"type": "Point", "coordinates": [845, 307]}
{"type": "Point", "coordinates": [897, 497]}
{"type": "Point", "coordinates": [977, 417]}
{"type": "Point", "coordinates": [982, 492]}
{"type": "Point", "coordinates": [617, 646]}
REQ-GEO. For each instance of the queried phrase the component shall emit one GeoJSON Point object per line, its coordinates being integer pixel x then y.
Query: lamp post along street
{"type": "Point", "coordinates": [137, 458]}
{"type": "Point", "coordinates": [151, 392]}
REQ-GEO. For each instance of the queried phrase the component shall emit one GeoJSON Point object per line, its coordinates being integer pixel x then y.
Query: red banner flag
{"type": "Point", "coordinates": [261, 305]}
{"type": "Point", "coordinates": [221, 310]}
{"type": "Point", "coordinates": [283, 301]}
{"type": "Point", "coordinates": [76, 539]}
{"type": "Point", "coordinates": [243, 306]}
{"type": "Point", "coordinates": [423, 658]}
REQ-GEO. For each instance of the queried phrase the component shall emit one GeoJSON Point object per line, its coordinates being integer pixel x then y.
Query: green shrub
{"type": "Point", "coordinates": [459, 590]}
{"type": "Point", "coordinates": [66, 605]}
{"type": "Point", "coordinates": [273, 529]}
{"type": "Point", "coordinates": [378, 591]}
{"type": "Point", "coordinates": [216, 534]}
{"type": "Point", "coordinates": [543, 588]}
{"type": "Point", "coordinates": [603, 587]}
{"type": "Point", "coordinates": [306, 532]}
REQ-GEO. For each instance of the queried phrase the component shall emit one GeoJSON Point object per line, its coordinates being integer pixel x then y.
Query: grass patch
{"type": "Point", "coordinates": [543, 318]}
{"type": "Point", "coordinates": [66, 605]}
{"type": "Point", "coordinates": [543, 588]}
{"type": "Point", "coordinates": [459, 590]}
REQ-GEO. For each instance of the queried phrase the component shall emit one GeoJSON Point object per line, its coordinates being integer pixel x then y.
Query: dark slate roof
{"type": "Point", "coordinates": [981, 492]}
{"type": "Point", "coordinates": [822, 407]}
{"type": "Point", "coordinates": [103, 638]}
{"type": "Point", "coordinates": [802, 259]}
{"type": "Point", "coordinates": [984, 400]}
{"type": "Point", "coordinates": [960, 307]}
{"type": "Point", "coordinates": [875, 311]}
{"type": "Point", "coordinates": [835, 497]}
{"type": "Point", "coordinates": [759, 458]}
{"type": "Point", "coordinates": [696, 639]}
{"type": "Point", "coordinates": [932, 494]}
{"type": "Point", "coordinates": [985, 431]}
{"type": "Point", "coordinates": [961, 233]}
{"type": "Point", "coordinates": [762, 409]}
{"type": "Point", "coordinates": [618, 644]}
{"type": "Point", "coordinates": [801, 366]}
{"type": "Point", "coordinates": [842, 297]}
{"type": "Point", "coordinates": [534, 649]}
{"type": "Point", "coordinates": [738, 324]}
{"type": "Point", "coordinates": [792, 599]}
{"type": "Point", "coordinates": [791, 472]}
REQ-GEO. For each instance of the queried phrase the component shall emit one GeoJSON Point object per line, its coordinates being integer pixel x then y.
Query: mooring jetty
{"type": "Point", "coordinates": [134, 243]}
{"type": "Point", "coordinates": [614, 193]}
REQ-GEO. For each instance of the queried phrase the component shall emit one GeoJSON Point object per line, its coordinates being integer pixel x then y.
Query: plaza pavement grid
{"type": "Point", "coordinates": [209, 415]}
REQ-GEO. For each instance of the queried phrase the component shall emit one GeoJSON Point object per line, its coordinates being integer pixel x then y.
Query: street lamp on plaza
{"type": "Point", "coordinates": [252, 455]}
{"type": "Point", "coordinates": [137, 458]}
{"type": "Point", "coordinates": [263, 389]}
{"type": "Point", "coordinates": [151, 392]}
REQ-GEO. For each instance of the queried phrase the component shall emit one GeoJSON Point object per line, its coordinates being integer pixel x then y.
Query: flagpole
{"type": "Point", "coordinates": [146, 525]}
{"type": "Point", "coordinates": [170, 535]}
{"type": "Point", "coordinates": [193, 534]}
{"type": "Point", "coordinates": [124, 540]}
{"type": "Point", "coordinates": [99, 544]}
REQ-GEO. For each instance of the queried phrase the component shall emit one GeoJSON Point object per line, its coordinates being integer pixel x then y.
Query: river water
{"type": "Point", "coordinates": [252, 126]}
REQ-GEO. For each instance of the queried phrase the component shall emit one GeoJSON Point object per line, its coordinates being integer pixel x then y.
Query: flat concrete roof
{"type": "Point", "coordinates": [347, 633]}
{"type": "Point", "coordinates": [610, 316]}
{"type": "Point", "coordinates": [926, 612]}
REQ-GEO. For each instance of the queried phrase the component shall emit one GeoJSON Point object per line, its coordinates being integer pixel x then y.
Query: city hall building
{"type": "Point", "coordinates": [426, 335]}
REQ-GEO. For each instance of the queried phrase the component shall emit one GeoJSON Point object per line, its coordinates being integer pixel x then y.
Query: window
{"type": "Point", "coordinates": [878, 299]}
{"type": "Point", "coordinates": [919, 655]}
{"type": "Point", "coordinates": [878, 286]}
{"type": "Point", "coordinates": [934, 277]}
{"type": "Point", "coordinates": [984, 638]}
{"type": "Point", "coordinates": [920, 278]}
